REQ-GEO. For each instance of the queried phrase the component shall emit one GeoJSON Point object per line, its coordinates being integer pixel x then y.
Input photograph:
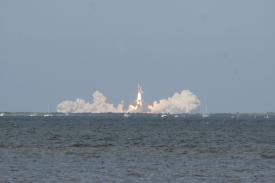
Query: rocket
{"type": "Point", "coordinates": [139, 101]}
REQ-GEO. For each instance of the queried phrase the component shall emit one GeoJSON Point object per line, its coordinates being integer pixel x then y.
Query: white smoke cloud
{"type": "Point", "coordinates": [184, 102]}
{"type": "Point", "coordinates": [99, 105]}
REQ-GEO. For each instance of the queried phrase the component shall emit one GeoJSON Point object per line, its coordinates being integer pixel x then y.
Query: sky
{"type": "Point", "coordinates": [223, 51]}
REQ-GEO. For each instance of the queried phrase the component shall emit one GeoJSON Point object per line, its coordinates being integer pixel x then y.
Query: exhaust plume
{"type": "Point", "coordinates": [99, 105]}
{"type": "Point", "coordinates": [138, 103]}
{"type": "Point", "coordinates": [183, 102]}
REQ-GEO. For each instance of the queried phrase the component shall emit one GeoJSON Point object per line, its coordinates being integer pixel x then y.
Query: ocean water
{"type": "Point", "coordinates": [140, 148]}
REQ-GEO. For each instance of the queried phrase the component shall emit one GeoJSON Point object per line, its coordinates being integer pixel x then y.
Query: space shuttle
{"type": "Point", "coordinates": [138, 106]}
{"type": "Point", "coordinates": [139, 101]}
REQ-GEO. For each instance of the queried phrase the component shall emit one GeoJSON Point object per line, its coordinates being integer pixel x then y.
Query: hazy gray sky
{"type": "Point", "coordinates": [223, 51]}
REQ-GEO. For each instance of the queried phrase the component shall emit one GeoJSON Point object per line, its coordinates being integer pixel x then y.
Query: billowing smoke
{"type": "Point", "coordinates": [98, 105]}
{"type": "Point", "coordinates": [183, 102]}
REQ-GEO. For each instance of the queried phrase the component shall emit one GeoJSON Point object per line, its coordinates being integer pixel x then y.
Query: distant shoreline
{"type": "Point", "coordinates": [183, 115]}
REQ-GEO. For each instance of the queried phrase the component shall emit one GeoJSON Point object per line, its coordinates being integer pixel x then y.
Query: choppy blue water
{"type": "Point", "coordinates": [141, 148]}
